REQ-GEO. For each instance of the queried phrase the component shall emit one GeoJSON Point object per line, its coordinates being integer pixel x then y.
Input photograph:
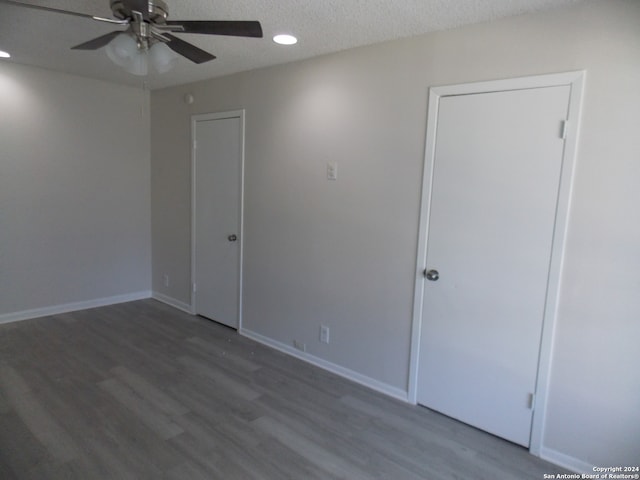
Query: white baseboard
{"type": "Point", "coordinates": [185, 307]}
{"type": "Point", "coordinates": [72, 307]}
{"type": "Point", "coordinates": [331, 367]}
{"type": "Point", "coordinates": [565, 461]}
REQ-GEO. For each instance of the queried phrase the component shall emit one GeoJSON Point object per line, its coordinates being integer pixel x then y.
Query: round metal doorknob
{"type": "Point", "coordinates": [232, 238]}
{"type": "Point", "coordinates": [432, 275]}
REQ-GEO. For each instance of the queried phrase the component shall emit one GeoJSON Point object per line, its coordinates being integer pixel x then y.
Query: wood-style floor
{"type": "Point", "coordinates": [143, 391]}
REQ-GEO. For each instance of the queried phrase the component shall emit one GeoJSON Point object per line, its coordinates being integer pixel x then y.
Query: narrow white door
{"type": "Point", "coordinates": [217, 180]}
{"type": "Point", "coordinates": [496, 173]}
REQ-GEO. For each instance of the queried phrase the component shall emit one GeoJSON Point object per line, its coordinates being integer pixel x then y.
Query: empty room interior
{"type": "Point", "coordinates": [405, 247]}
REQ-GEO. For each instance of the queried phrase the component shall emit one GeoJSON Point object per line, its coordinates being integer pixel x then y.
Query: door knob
{"type": "Point", "coordinates": [432, 275]}
{"type": "Point", "coordinates": [232, 238]}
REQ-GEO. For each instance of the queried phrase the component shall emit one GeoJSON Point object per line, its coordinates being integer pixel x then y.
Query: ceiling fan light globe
{"type": "Point", "coordinates": [162, 58]}
{"type": "Point", "coordinates": [121, 49]}
{"type": "Point", "coordinates": [138, 64]}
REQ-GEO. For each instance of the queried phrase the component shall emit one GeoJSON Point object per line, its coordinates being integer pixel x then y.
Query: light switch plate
{"type": "Point", "coordinates": [332, 171]}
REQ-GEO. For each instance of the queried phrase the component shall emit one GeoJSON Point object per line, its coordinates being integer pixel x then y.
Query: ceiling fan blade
{"type": "Point", "coordinates": [65, 12]}
{"type": "Point", "coordinates": [48, 9]}
{"type": "Point", "coordinates": [98, 42]}
{"type": "Point", "coordinates": [220, 27]}
{"type": "Point", "coordinates": [193, 53]}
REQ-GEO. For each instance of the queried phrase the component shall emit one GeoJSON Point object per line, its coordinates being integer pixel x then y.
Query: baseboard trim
{"type": "Point", "coordinates": [72, 307]}
{"type": "Point", "coordinates": [565, 461]}
{"type": "Point", "coordinates": [329, 366]}
{"type": "Point", "coordinates": [185, 307]}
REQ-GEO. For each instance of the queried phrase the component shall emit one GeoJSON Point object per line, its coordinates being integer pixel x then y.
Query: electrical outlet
{"type": "Point", "coordinates": [166, 280]}
{"type": "Point", "coordinates": [300, 346]}
{"type": "Point", "coordinates": [324, 334]}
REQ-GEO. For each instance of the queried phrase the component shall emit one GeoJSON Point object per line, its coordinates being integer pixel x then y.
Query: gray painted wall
{"type": "Point", "coordinates": [343, 253]}
{"type": "Point", "coordinates": [75, 216]}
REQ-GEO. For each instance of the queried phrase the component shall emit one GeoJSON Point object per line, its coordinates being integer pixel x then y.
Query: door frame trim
{"type": "Point", "coordinates": [575, 80]}
{"type": "Point", "coordinates": [194, 120]}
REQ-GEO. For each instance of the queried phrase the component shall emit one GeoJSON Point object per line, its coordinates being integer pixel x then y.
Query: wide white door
{"type": "Point", "coordinates": [496, 173]}
{"type": "Point", "coordinates": [217, 179]}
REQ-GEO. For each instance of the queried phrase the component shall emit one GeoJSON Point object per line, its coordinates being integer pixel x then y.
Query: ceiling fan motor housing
{"type": "Point", "coordinates": [154, 11]}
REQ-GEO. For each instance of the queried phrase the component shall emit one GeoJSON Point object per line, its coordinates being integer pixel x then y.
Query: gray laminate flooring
{"type": "Point", "coordinates": [143, 391]}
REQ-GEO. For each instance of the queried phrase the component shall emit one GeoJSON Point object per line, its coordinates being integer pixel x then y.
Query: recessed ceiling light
{"type": "Point", "coordinates": [4, 54]}
{"type": "Point", "coordinates": [285, 39]}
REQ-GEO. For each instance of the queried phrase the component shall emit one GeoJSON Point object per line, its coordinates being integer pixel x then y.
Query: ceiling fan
{"type": "Point", "coordinates": [148, 25]}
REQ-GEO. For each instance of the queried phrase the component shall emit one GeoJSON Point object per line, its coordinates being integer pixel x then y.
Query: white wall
{"type": "Point", "coordinates": [343, 253]}
{"type": "Point", "coordinates": [74, 190]}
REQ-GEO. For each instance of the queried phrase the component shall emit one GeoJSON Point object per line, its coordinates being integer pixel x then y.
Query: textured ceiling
{"type": "Point", "coordinates": [43, 39]}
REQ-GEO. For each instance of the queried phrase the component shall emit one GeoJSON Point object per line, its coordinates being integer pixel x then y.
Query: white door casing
{"type": "Point", "coordinates": [487, 272]}
{"type": "Point", "coordinates": [217, 192]}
